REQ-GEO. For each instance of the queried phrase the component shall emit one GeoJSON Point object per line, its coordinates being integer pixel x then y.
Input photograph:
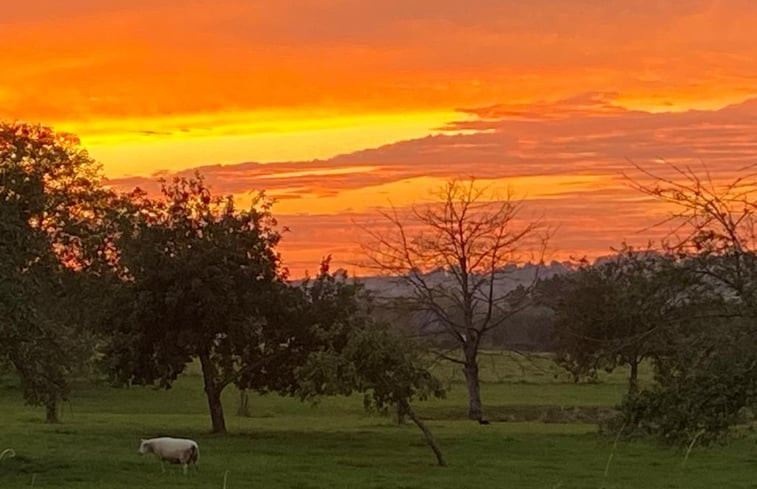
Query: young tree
{"type": "Point", "coordinates": [617, 312]}
{"type": "Point", "coordinates": [201, 281]}
{"type": "Point", "coordinates": [51, 204]}
{"type": "Point", "coordinates": [471, 237]}
{"type": "Point", "coordinates": [352, 353]}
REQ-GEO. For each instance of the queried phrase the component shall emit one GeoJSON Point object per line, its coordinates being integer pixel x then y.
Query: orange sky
{"type": "Point", "coordinates": [550, 97]}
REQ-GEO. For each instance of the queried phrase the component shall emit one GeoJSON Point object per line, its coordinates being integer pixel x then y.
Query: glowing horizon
{"type": "Point", "coordinates": [338, 107]}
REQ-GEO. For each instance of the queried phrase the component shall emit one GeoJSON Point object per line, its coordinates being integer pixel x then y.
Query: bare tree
{"type": "Point", "coordinates": [715, 216]}
{"type": "Point", "coordinates": [715, 220]}
{"type": "Point", "coordinates": [468, 238]}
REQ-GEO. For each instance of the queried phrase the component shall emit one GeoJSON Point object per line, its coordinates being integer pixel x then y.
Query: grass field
{"type": "Point", "coordinates": [287, 444]}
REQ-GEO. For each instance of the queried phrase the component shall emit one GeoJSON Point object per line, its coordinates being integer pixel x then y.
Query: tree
{"type": "Point", "coordinates": [469, 238]}
{"type": "Point", "coordinates": [704, 379]}
{"type": "Point", "coordinates": [355, 354]}
{"type": "Point", "coordinates": [616, 312]}
{"type": "Point", "coordinates": [203, 281]}
{"type": "Point", "coordinates": [707, 375]}
{"type": "Point", "coordinates": [51, 231]}
{"type": "Point", "coordinates": [715, 225]}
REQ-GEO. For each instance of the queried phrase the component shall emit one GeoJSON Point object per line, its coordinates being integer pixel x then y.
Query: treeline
{"type": "Point", "coordinates": [136, 287]}
{"type": "Point", "coordinates": [688, 310]}
{"type": "Point", "coordinates": [690, 313]}
{"type": "Point", "coordinates": [687, 306]}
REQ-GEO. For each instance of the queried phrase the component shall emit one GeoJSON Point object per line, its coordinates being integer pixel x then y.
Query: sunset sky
{"type": "Point", "coordinates": [340, 107]}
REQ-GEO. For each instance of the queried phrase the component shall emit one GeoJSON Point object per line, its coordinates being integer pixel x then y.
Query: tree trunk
{"type": "Point", "coordinates": [216, 410]}
{"type": "Point", "coordinates": [51, 411]}
{"type": "Point", "coordinates": [244, 404]}
{"type": "Point", "coordinates": [633, 378]}
{"type": "Point", "coordinates": [400, 414]}
{"type": "Point", "coordinates": [475, 411]}
{"type": "Point", "coordinates": [406, 409]}
{"type": "Point", "coordinates": [213, 393]}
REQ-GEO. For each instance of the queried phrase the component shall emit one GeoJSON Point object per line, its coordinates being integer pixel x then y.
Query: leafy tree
{"type": "Point", "coordinates": [706, 376]}
{"type": "Point", "coordinates": [705, 380]}
{"type": "Point", "coordinates": [470, 239]}
{"type": "Point", "coordinates": [51, 204]}
{"type": "Point", "coordinates": [617, 312]}
{"type": "Point", "coordinates": [355, 354]}
{"type": "Point", "coordinates": [201, 280]}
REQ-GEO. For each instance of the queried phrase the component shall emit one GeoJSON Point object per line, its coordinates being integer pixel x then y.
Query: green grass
{"type": "Point", "coordinates": [287, 444]}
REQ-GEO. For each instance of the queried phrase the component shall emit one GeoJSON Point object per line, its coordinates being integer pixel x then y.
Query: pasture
{"type": "Point", "coordinates": [335, 444]}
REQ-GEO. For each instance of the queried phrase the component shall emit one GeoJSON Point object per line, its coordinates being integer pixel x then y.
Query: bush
{"type": "Point", "coordinates": [701, 391]}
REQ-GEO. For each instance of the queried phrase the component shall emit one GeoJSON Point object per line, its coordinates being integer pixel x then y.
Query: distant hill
{"type": "Point", "coordinates": [510, 277]}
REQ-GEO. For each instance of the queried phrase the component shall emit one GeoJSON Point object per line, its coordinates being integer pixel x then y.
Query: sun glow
{"type": "Point", "coordinates": [144, 147]}
{"type": "Point", "coordinates": [422, 189]}
{"type": "Point", "coordinates": [339, 108]}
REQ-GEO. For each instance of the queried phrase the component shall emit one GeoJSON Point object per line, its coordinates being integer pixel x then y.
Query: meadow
{"type": "Point", "coordinates": [336, 444]}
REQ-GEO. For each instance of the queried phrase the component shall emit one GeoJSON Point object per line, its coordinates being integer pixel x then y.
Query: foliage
{"type": "Point", "coordinates": [203, 281]}
{"type": "Point", "coordinates": [705, 376]}
{"type": "Point", "coordinates": [616, 312]}
{"type": "Point", "coordinates": [703, 388]}
{"type": "Point", "coordinates": [375, 362]}
{"type": "Point", "coordinates": [381, 365]}
{"type": "Point", "coordinates": [199, 281]}
{"type": "Point", "coordinates": [320, 314]}
{"type": "Point", "coordinates": [51, 235]}
{"type": "Point", "coordinates": [356, 354]}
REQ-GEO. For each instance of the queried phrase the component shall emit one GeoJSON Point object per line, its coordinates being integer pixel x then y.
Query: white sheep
{"type": "Point", "coordinates": [172, 450]}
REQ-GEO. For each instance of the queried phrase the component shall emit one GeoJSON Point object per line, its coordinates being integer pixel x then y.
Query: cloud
{"type": "Point", "coordinates": [130, 59]}
{"type": "Point", "coordinates": [554, 96]}
{"type": "Point", "coordinates": [578, 136]}
{"type": "Point", "coordinates": [566, 158]}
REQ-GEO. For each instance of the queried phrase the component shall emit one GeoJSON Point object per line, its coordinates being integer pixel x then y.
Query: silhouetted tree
{"type": "Point", "coordinates": [201, 281]}
{"type": "Point", "coordinates": [51, 235]}
{"type": "Point", "coordinates": [356, 354]}
{"type": "Point", "coordinates": [708, 373]}
{"type": "Point", "coordinates": [715, 225]}
{"type": "Point", "coordinates": [470, 237]}
{"type": "Point", "coordinates": [617, 312]}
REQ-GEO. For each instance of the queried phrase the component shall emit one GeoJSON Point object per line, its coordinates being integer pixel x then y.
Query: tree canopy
{"type": "Point", "coordinates": [617, 312]}
{"type": "Point", "coordinates": [51, 204]}
{"type": "Point", "coordinates": [201, 280]}
{"type": "Point", "coordinates": [356, 354]}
